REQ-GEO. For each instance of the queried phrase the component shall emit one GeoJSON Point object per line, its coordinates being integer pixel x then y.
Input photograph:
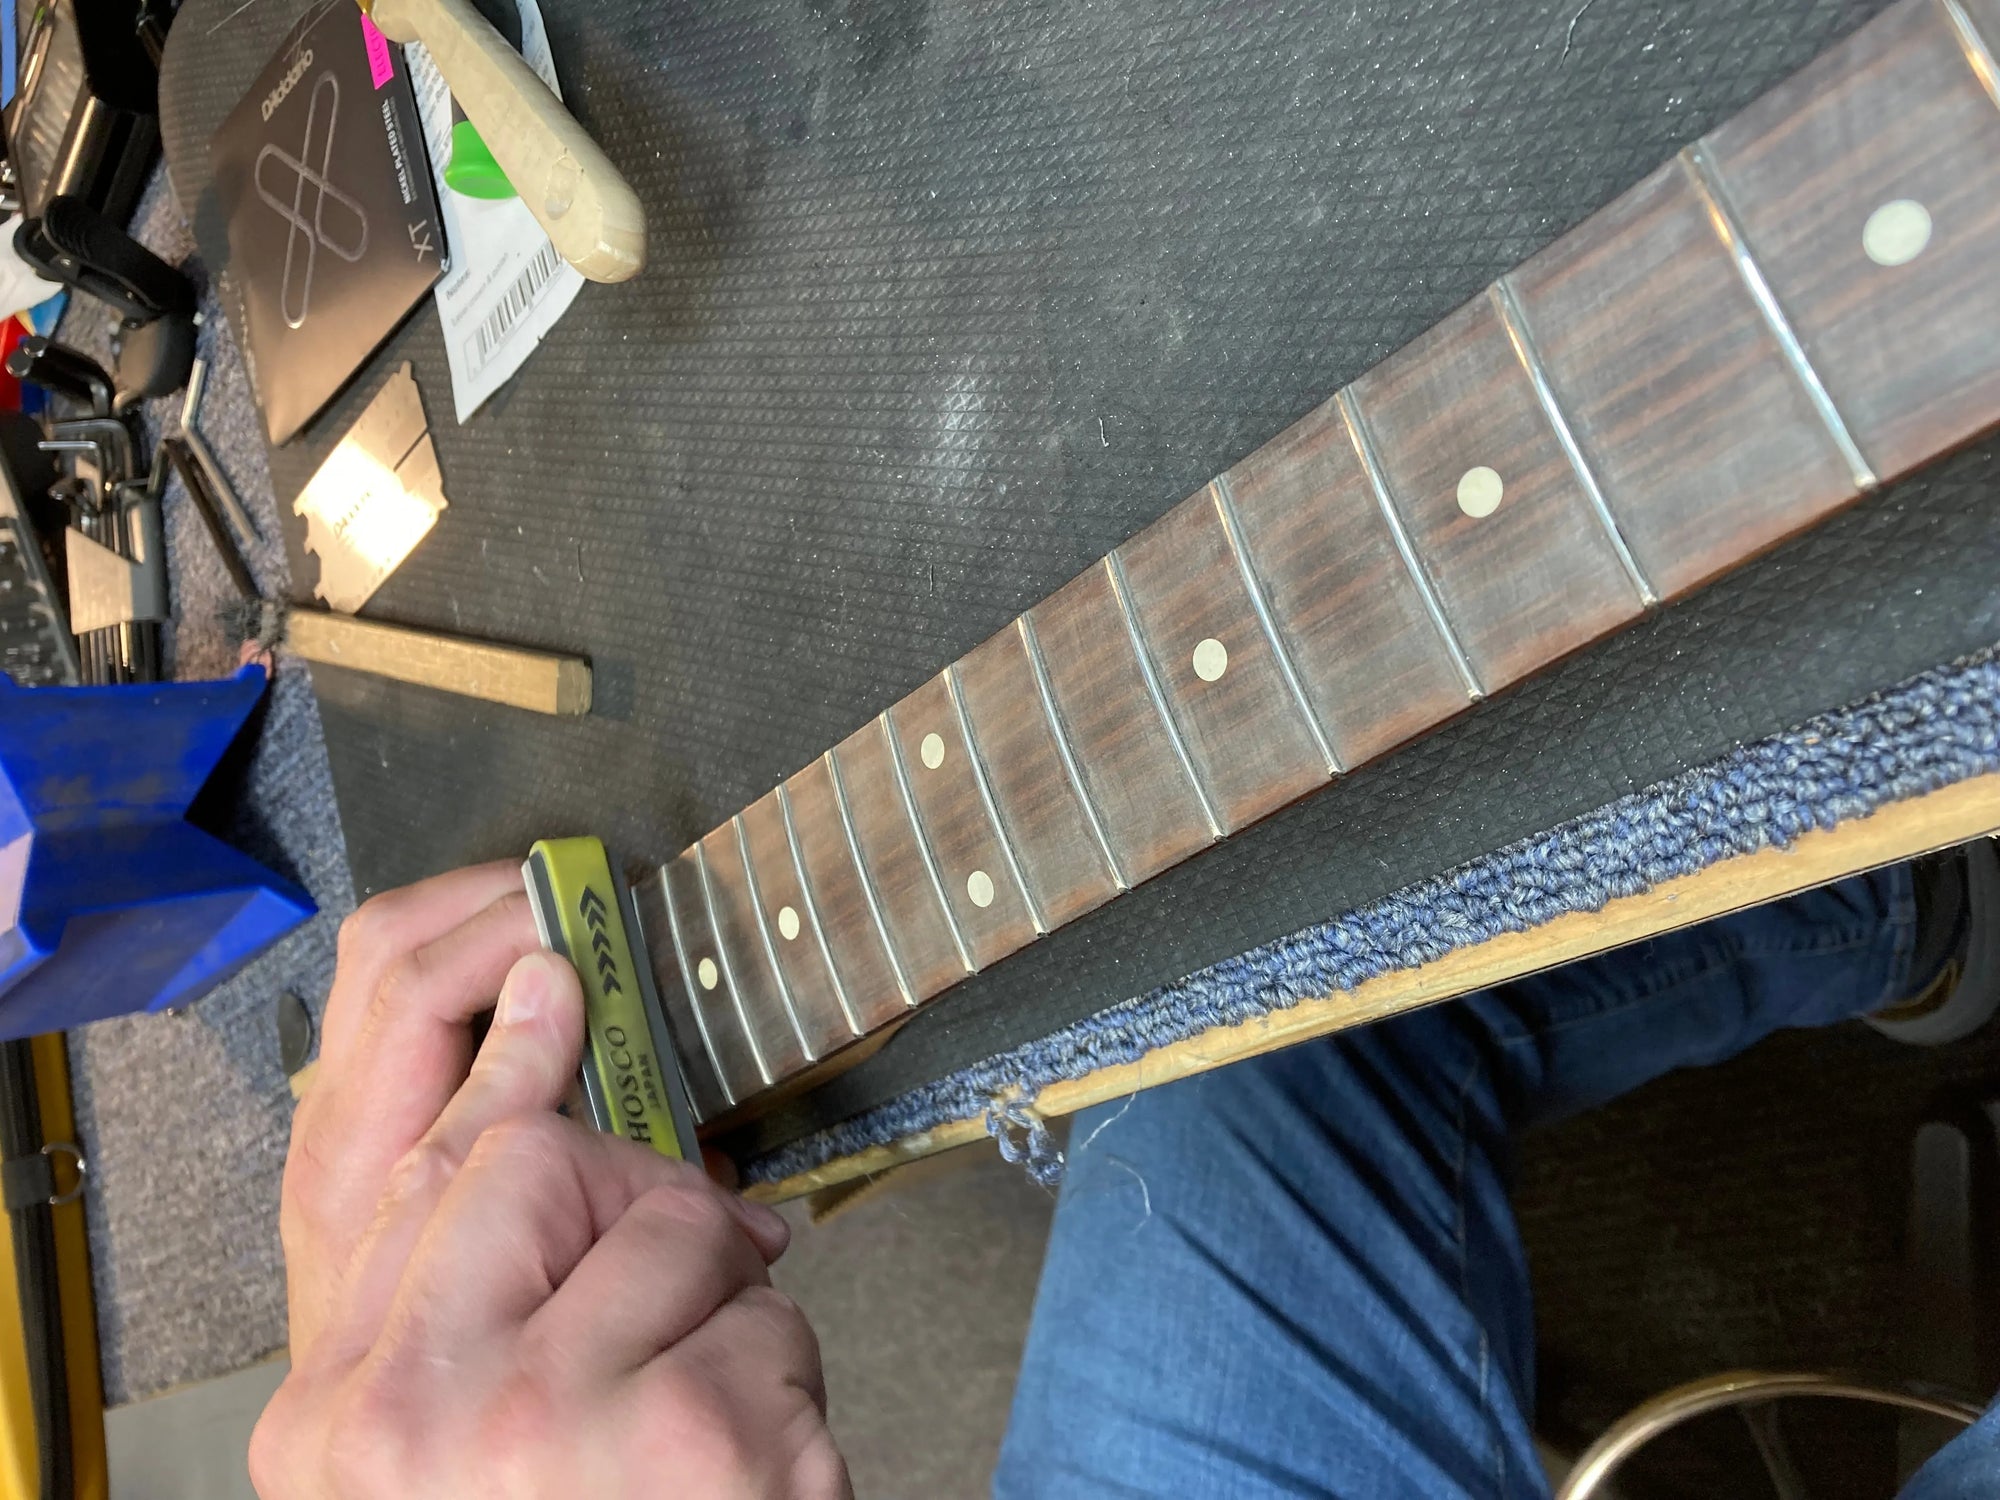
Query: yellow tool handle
{"type": "Point", "coordinates": [631, 1079]}
{"type": "Point", "coordinates": [588, 208]}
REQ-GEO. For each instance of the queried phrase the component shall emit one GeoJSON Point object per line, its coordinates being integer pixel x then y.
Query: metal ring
{"type": "Point", "coordinates": [1648, 1420]}
{"type": "Point", "coordinates": [75, 1154]}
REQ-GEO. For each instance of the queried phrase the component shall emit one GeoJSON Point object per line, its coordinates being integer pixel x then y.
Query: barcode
{"type": "Point", "coordinates": [495, 326]}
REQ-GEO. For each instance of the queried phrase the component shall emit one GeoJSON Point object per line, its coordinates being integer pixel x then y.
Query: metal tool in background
{"type": "Point", "coordinates": [197, 445]}
{"type": "Point", "coordinates": [631, 1080]}
{"type": "Point", "coordinates": [83, 121]}
{"type": "Point", "coordinates": [375, 498]}
{"type": "Point", "coordinates": [115, 545]}
{"type": "Point", "coordinates": [36, 647]}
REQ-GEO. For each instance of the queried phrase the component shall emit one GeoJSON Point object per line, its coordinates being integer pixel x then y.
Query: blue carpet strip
{"type": "Point", "coordinates": [1936, 729]}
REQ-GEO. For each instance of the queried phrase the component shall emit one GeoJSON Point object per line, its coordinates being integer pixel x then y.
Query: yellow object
{"type": "Point", "coordinates": [632, 1087]}
{"type": "Point", "coordinates": [20, 1464]}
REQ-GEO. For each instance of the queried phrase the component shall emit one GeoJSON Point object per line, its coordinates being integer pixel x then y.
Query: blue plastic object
{"type": "Point", "coordinates": [110, 901]}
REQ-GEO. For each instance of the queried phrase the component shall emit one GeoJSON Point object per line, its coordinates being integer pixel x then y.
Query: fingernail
{"type": "Point", "coordinates": [764, 1221]}
{"type": "Point", "coordinates": [525, 995]}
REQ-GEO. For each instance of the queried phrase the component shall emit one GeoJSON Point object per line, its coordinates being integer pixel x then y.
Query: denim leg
{"type": "Point", "coordinates": [1301, 1275]}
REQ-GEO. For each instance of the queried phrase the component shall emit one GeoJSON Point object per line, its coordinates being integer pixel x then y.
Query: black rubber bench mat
{"type": "Point", "coordinates": [947, 301]}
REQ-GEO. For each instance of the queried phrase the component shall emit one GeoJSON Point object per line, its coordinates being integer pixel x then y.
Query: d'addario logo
{"type": "Point", "coordinates": [289, 82]}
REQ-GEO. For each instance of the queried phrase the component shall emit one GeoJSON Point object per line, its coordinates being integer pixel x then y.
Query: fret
{"type": "Point", "coordinates": [746, 957]}
{"type": "Point", "coordinates": [1867, 188]}
{"type": "Point", "coordinates": [1722, 218]}
{"type": "Point", "coordinates": [1378, 486]}
{"type": "Point", "coordinates": [1508, 309]}
{"type": "Point", "coordinates": [1523, 568]}
{"type": "Point", "coordinates": [890, 848]}
{"type": "Point", "coordinates": [976, 873]}
{"type": "Point", "coordinates": [1125, 754]}
{"type": "Point", "coordinates": [1976, 40]}
{"type": "Point", "coordinates": [1114, 570]}
{"type": "Point", "coordinates": [856, 935]}
{"type": "Point", "coordinates": [652, 912]}
{"type": "Point", "coordinates": [982, 778]}
{"type": "Point", "coordinates": [796, 945]}
{"type": "Point", "coordinates": [1707, 446]}
{"type": "Point", "coordinates": [723, 1027]}
{"type": "Point", "coordinates": [1281, 652]}
{"type": "Point", "coordinates": [1037, 794]}
{"type": "Point", "coordinates": [1369, 657]}
{"type": "Point", "coordinates": [1250, 742]}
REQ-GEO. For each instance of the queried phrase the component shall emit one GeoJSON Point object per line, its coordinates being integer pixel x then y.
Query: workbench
{"type": "Point", "coordinates": [945, 303]}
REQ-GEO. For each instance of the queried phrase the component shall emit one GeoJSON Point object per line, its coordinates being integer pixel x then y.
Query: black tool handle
{"type": "Point", "coordinates": [63, 370]}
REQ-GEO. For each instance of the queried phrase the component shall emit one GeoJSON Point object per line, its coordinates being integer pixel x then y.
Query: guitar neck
{"type": "Point", "coordinates": [1798, 308]}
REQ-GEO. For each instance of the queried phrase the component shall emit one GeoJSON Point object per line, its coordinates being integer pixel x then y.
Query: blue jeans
{"type": "Point", "coordinates": [1300, 1275]}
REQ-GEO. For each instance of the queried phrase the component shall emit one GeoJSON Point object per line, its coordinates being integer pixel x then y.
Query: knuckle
{"type": "Point", "coordinates": [372, 1431]}
{"type": "Point", "coordinates": [819, 1472]}
{"type": "Point", "coordinates": [369, 927]}
{"type": "Point", "coordinates": [527, 1142]}
{"type": "Point", "coordinates": [524, 1421]}
{"type": "Point", "coordinates": [695, 1416]}
{"type": "Point", "coordinates": [274, 1442]}
{"type": "Point", "coordinates": [679, 1210]}
{"type": "Point", "coordinates": [422, 1172]}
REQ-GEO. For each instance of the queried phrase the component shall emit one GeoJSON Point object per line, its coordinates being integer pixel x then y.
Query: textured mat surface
{"type": "Point", "coordinates": [947, 301]}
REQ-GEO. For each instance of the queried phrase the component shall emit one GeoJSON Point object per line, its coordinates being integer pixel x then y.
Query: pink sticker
{"type": "Point", "coordinates": [381, 67]}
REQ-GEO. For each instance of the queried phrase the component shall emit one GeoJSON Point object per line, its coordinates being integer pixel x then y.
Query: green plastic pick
{"type": "Point", "coordinates": [472, 169]}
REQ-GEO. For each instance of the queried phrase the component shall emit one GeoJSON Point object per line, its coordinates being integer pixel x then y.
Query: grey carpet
{"type": "Point", "coordinates": [185, 1116]}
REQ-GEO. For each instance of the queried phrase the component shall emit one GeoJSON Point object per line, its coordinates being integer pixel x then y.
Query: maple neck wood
{"type": "Point", "coordinates": [1798, 308]}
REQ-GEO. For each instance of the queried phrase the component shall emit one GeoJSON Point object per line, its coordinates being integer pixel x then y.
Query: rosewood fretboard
{"type": "Point", "coordinates": [1798, 308]}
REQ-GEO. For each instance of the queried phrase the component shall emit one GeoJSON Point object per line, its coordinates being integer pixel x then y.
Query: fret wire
{"type": "Point", "coordinates": [1120, 589]}
{"type": "Point", "coordinates": [972, 755]}
{"type": "Point", "coordinates": [1031, 644]}
{"type": "Point", "coordinates": [1364, 448]}
{"type": "Point", "coordinates": [1515, 322]}
{"type": "Point", "coordinates": [1978, 53]}
{"type": "Point", "coordinates": [1708, 185]}
{"type": "Point", "coordinates": [1225, 509]}
{"type": "Point", "coordinates": [690, 984]}
{"type": "Point", "coordinates": [812, 911]}
{"type": "Point", "coordinates": [867, 881]}
{"type": "Point", "coordinates": [764, 931]}
{"type": "Point", "coordinates": [923, 843]}
{"type": "Point", "coordinates": [728, 969]}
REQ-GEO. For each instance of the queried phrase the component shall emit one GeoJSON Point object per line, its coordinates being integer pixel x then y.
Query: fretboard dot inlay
{"type": "Point", "coordinates": [707, 973]}
{"type": "Point", "coordinates": [979, 886]}
{"type": "Point", "coordinates": [1897, 232]}
{"type": "Point", "coordinates": [788, 923]}
{"type": "Point", "coordinates": [1211, 660]}
{"type": "Point", "coordinates": [932, 750]}
{"type": "Point", "coordinates": [1479, 491]}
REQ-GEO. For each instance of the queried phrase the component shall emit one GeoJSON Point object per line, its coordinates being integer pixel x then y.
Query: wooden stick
{"type": "Point", "coordinates": [536, 680]}
{"type": "Point", "coordinates": [1902, 830]}
{"type": "Point", "coordinates": [587, 207]}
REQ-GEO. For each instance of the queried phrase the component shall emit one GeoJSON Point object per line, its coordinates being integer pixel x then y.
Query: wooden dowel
{"type": "Point", "coordinates": [539, 681]}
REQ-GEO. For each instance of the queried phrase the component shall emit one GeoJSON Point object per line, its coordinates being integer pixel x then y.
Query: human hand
{"type": "Point", "coordinates": [488, 1299]}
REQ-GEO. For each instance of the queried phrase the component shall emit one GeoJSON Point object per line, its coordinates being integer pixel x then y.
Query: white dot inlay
{"type": "Point", "coordinates": [1211, 659]}
{"type": "Point", "coordinates": [1479, 491]}
{"type": "Point", "coordinates": [979, 886]}
{"type": "Point", "coordinates": [788, 923]}
{"type": "Point", "coordinates": [1897, 232]}
{"type": "Point", "coordinates": [707, 973]}
{"type": "Point", "coordinates": [932, 750]}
